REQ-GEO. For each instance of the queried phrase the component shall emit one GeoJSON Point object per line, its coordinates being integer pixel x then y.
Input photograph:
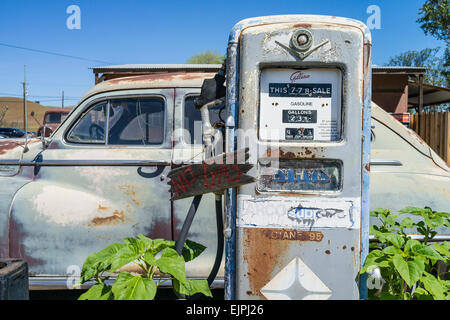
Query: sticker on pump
{"type": "Point", "coordinates": [300, 105]}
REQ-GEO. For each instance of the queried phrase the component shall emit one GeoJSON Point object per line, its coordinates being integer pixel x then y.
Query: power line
{"type": "Point", "coordinates": [52, 53]}
{"type": "Point", "coordinates": [35, 96]}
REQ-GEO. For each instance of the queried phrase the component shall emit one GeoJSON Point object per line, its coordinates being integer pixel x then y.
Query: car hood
{"type": "Point", "coordinates": [12, 149]}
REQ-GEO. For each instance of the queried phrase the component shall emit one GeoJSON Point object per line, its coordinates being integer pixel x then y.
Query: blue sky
{"type": "Point", "coordinates": [147, 31]}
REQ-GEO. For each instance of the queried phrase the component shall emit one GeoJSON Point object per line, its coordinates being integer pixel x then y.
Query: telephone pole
{"type": "Point", "coordinates": [24, 98]}
{"type": "Point", "coordinates": [62, 104]}
{"type": "Point", "coordinates": [25, 124]}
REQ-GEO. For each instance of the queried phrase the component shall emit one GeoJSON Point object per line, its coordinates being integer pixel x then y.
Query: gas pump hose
{"type": "Point", "coordinates": [220, 241]}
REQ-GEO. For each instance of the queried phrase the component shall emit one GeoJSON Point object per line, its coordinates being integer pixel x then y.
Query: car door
{"type": "Point", "coordinates": [102, 179]}
{"type": "Point", "coordinates": [188, 149]}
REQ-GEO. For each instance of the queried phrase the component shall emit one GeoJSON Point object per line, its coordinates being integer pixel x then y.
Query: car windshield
{"type": "Point", "coordinates": [55, 117]}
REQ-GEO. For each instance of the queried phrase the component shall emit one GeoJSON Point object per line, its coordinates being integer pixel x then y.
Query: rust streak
{"type": "Point", "coordinates": [102, 208]}
{"type": "Point", "coordinates": [116, 218]}
{"type": "Point", "coordinates": [159, 77]}
{"type": "Point", "coordinates": [302, 25]}
{"type": "Point", "coordinates": [262, 255]}
{"type": "Point", "coordinates": [130, 192]}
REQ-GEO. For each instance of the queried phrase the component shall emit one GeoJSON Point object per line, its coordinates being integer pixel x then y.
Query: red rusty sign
{"type": "Point", "coordinates": [213, 175]}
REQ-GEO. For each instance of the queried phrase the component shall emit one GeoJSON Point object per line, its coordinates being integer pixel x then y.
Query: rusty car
{"type": "Point", "coordinates": [102, 174]}
{"type": "Point", "coordinates": [52, 119]}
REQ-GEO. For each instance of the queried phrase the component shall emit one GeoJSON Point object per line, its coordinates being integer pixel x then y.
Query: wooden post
{"type": "Point", "coordinates": [447, 137]}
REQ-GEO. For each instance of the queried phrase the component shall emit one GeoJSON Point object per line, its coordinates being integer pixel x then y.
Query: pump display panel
{"type": "Point", "coordinates": [300, 105]}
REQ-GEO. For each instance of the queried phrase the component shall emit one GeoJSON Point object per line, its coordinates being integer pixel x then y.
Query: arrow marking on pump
{"type": "Point", "coordinates": [301, 55]}
{"type": "Point", "coordinates": [296, 281]}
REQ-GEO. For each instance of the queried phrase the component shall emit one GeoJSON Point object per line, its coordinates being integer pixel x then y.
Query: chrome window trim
{"type": "Point", "coordinates": [107, 98]}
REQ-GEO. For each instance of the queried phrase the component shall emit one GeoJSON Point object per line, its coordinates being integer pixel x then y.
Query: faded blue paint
{"type": "Point", "coordinates": [366, 146]}
{"type": "Point", "coordinates": [232, 104]}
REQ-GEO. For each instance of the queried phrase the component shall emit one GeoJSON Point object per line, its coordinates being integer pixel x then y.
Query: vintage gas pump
{"type": "Point", "coordinates": [298, 94]}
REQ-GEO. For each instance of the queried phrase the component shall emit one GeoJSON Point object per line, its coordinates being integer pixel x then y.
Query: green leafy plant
{"type": "Point", "coordinates": [157, 261]}
{"type": "Point", "coordinates": [410, 269]}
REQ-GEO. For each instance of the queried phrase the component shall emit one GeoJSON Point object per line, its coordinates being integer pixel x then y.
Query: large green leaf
{"type": "Point", "coordinates": [433, 286]}
{"type": "Point", "coordinates": [396, 239]}
{"type": "Point", "coordinates": [409, 244]}
{"type": "Point", "coordinates": [410, 271]}
{"type": "Point", "coordinates": [161, 244]}
{"type": "Point", "coordinates": [443, 248]}
{"type": "Point", "coordinates": [124, 256]}
{"type": "Point", "coordinates": [392, 250]}
{"type": "Point", "coordinates": [129, 287]}
{"type": "Point", "coordinates": [190, 287]}
{"type": "Point", "coordinates": [422, 294]}
{"type": "Point", "coordinates": [426, 251]}
{"type": "Point", "coordinates": [99, 291]}
{"type": "Point", "coordinates": [415, 211]}
{"type": "Point", "coordinates": [99, 261]}
{"type": "Point", "coordinates": [170, 262]}
{"type": "Point", "coordinates": [135, 245]}
{"type": "Point", "coordinates": [375, 258]}
{"type": "Point", "coordinates": [192, 250]}
{"type": "Point", "coordinates": [407, 223]}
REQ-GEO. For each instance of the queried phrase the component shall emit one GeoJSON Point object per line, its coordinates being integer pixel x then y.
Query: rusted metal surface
{"type": "Point", "coordinates": [7, 145]}
{"type": "Point", "coordinates": [163, 80]}
{"type": "Point", "coordinates": [84, 197]}
{"type": "Point", "coordinates": [266, 257]}
{"type": "Point", "coordinates": [339, 43]}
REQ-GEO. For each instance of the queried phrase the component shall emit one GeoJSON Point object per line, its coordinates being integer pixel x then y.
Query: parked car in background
{"type": "Point", "coordinates": [52, 119]}
{"type": "Point", "coordinates": [12, 132]}
{"type": "Point", "coordinates": [404, 170]}
{"type": "Point", "coordinates": [115, 150]}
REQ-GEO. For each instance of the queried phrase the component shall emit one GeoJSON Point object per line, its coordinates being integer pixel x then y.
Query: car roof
{"type": "Point", "coordinates": [151, 81]}
{"type": "Point", "coordinates": [409, 135]}
{"type": "Point", "coordinates": [59, 110]}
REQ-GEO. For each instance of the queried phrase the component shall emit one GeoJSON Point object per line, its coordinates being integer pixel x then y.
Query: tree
{"type": "Point", "coordinates": [427, 58]}
{"type": "Point", "coordinates": [435, 19]}
{"type": "Point", "coordinates": [207, 57]}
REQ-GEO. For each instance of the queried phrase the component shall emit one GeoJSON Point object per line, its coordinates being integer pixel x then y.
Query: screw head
{"type": "Point", "coordinates": [301, 39]}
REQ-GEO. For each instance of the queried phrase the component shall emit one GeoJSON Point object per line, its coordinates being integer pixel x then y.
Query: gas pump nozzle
{"type": "Point", "coordinates": [212, 94]}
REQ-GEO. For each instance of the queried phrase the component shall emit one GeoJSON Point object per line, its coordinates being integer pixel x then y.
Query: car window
{"type": "Point", "coordinates": [53, 118]}
{"type": "Point", "coordinates": [136, 121]}
{"type": "Point", "coordinates": [192, 123]}
{"type": "Point", "coordinates": [91, 127]}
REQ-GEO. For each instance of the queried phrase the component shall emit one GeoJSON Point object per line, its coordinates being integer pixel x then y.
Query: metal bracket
{"type": "Point", "coordinates": [301, 55]}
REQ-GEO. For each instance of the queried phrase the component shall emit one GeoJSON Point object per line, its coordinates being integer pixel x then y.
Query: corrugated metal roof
{"type": "Point", "coordinates": [398, 69]}
{"type": "Point", "coordinates": [156, 68]}
{"type": "Point", "coordinates": [432, 95]}
{"type": "Point", "coordinates": [214, 67]}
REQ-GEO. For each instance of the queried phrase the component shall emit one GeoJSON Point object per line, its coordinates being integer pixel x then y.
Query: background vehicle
{"type": "Point", "coordinates": [109, 162]}
{"type": "Point", "coordinates": [12, 132]}
{"type": "Point", "coordinates": [52, 119]}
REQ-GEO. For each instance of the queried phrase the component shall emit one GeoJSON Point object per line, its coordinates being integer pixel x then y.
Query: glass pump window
{"type": "Point", "coordinates": [300, 105]}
